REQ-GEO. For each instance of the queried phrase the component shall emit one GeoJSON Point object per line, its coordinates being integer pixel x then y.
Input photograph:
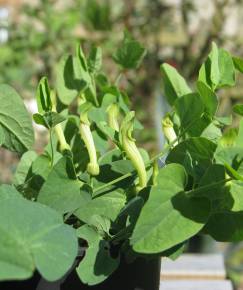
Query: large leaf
{"type": "Point", "coordinates": [175, 85]}
{"type": "Point", "coordinates": [169, 217]}
{"type": "Point", "coordinates": [195, 154]}
{"type": "Point", "coordinates": [33, 236]}
{"type": "Point", "coordinates": [97, 263]}
{"type": "Point", "coordinates": [61, 191]}
{"type": "Point", "coordinates": [15, 123]}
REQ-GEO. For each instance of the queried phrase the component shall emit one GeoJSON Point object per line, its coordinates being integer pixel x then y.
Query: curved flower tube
{"type": "Point", "coordinates": [86, 135]}
{"type": "Point", "coordinates": [131, 150]}
{"type": "Point", "coordinates": [58, 128]}
{"type": "Point", "coordinates": [169, 131]}
{"type": "Point", "coordinates": [113, 113]}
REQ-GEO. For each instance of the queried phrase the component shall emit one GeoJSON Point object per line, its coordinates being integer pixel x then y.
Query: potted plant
{"type": "Point", "coordinates": [94, 211]}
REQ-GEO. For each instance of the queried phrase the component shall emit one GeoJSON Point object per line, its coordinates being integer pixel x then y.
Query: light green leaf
{"type": "Point", "coordinates": [23, 167]}
{"type": "Point", "coordinates": [15, 123]}
{"type": "Point", "coordinates": [60, 191]}
{"type": "Point", "coordinates": [175, 85]}
{"type": "Point", "coordinates": [34, 236]}
{"type": "Point", "coordinates": [95, 59]}
{"type": "Point", "coordinates": [218, 70]}
{"type": "Point", "coordinates": [169, 217]}
{"type": "Point", "coordinates": [68, 81]}
{"type": "Point", "coordinates": [97, 263]}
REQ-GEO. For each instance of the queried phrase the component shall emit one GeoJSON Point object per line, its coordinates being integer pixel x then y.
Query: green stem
{"type": "Point", "coordinates": [52, 150]}
{"type": "Point", "coordinates": [192, 192]}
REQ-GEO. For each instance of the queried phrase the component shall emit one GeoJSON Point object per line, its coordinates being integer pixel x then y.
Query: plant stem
{"type": "Point", "coordinates": [52, 150]}
{"type": "Point", "coordinates": [129, 174]}
{"type": "Point", "coordinates": [192, 192]}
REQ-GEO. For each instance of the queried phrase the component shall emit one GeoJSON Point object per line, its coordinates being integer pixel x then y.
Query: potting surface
{"type": "Point", "coordinates": [194, 272]}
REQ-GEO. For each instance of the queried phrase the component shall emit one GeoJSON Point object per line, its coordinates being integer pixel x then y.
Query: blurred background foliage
{"type": "Point", "coordinates": [35, 34]}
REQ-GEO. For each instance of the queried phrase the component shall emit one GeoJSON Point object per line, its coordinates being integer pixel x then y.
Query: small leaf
{"type": "Point", "coordinates": [97, 264]}
{"type": "Point", "coordinates": [208, 97]}
{"type": "Point", "coordinates": [130, 54]}
{"type": "Point", "coordinates": [238, 63]}
{"type": "Point", "coordinates": [43, 96]}
{"type": "Point", "coordinates": [238, 109]}
{"type": "Point", "coordinates": [218, 70]}
{"type": "Point", "coordinates": [95, 59]}
{"type": "Point", "coordinates": [175, 85]}
{"type": "Point", "coordinates": [23, 167]}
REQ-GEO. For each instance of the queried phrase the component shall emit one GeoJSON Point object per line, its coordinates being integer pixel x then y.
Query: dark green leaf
{"type": "Point", "coordinates": [195, 154]}
{"type": "Point", "coordinates": [43, 96]}
{"type": "Point", "coordinates": [189, 108]}
{"type": "Point", "coordinates": [130, 54]}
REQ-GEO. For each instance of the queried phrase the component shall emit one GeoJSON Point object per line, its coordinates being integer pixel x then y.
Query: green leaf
{"type": "Point", "coordinates": [49, 119]}
{"type": "Point", "coordinates": [43, 96]}
{"type": "Point", "coordinates": [130, 54]}
{"type": "Point", "coordinates": [97, 264]}
{"type": "Point", "coordinates": [23, 167]}
{"type": "Point", "coordinates": [189, 108]}
{"type": "Point", "coordinates": [208, 98]}
{"type": "Point", "coordinates": [238, 63]}
{"type": "Point", "coordinates": [8, 191]}
{"type": "Point", "coordinates": [195, 154]}
{"type": "Point", "coordinates": [214, 72]}
{"type": "Point", "coordinates": [169, 217]}
{"type": "Point", "coordinates": [36, 239]}
{"type": "Point", "coordinates": [108, 205]}
{"type": "Point", "coordinates": [218, 70]}
{"type": "Point", "coordinates": [175, 85]}
{"type": "Point", "coordinates": [68, 81]}
{"type": "Point", "coordinates": [225, 226]}
{"type": "Point", "coordinates": [214, 173]}
{"type": "Point", "coordinates": [95, 59]}
{"type": "Point", "coordinates": [61, 191]}
{"type": "Point", "coordinates": [238, 109]}
{"type": "Point", "coordinates": [15, 123]}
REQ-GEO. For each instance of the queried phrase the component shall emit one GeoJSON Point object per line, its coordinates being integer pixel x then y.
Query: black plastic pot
{"type": "Point", "coordinates": [142, 274]}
